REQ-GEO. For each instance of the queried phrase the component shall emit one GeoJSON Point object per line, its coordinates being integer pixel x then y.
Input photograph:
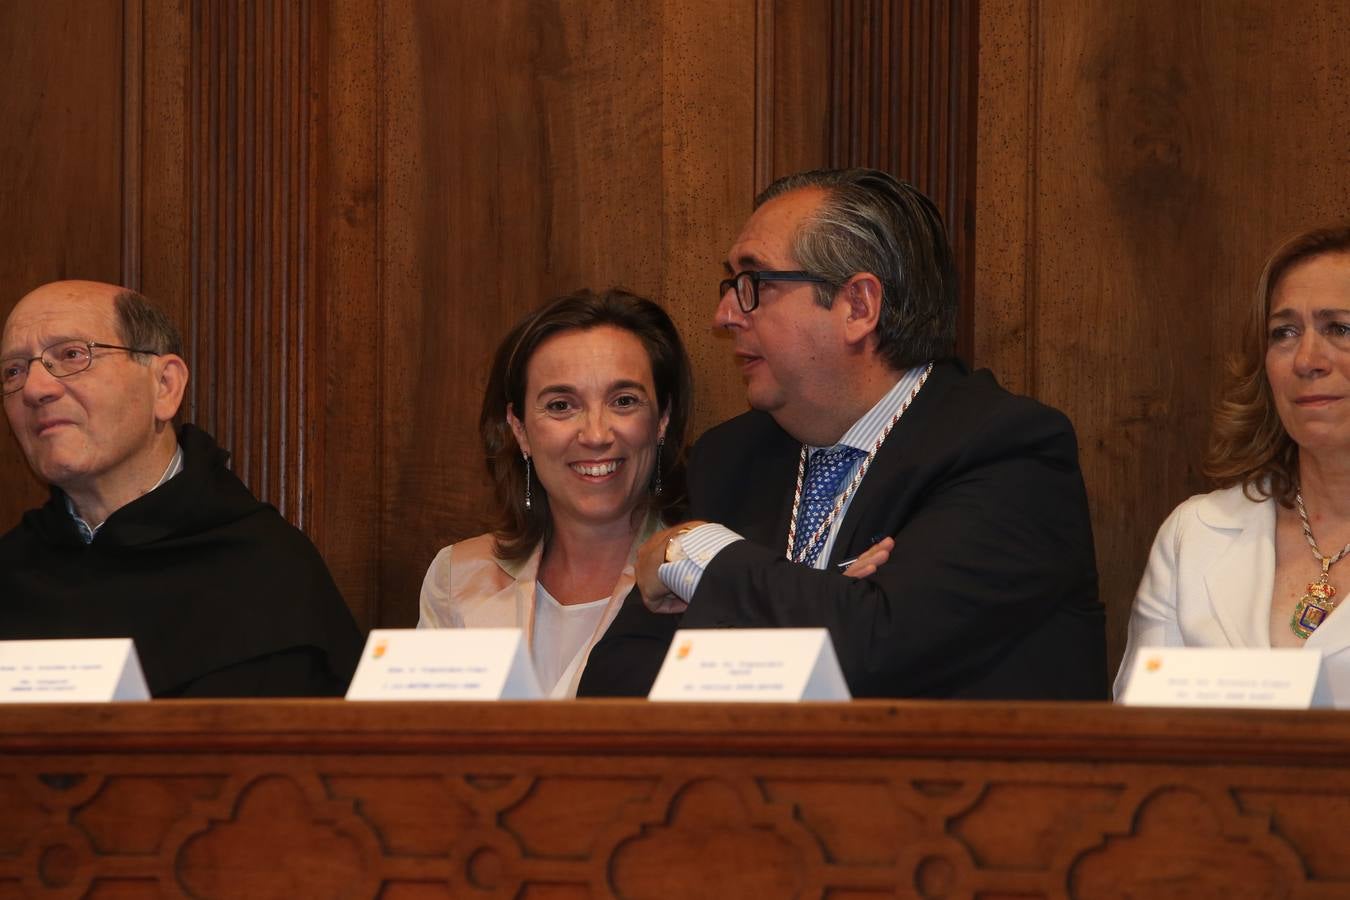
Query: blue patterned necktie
{"type": "Point", "coordinates": [825, 472]}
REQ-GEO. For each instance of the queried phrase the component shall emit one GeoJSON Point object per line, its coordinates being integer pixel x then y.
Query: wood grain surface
{"type": "Point", "coordinates": [60, 167]}
{"type": "Point", "coordinates": [1137, 164]}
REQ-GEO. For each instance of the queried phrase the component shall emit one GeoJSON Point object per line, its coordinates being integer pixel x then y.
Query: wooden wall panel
{"type": "Point", "coordinates": [1137, 163]}
{"type": "Point", "coordinates": [899, 95]}
{"type": "Point", "coordinates": [346, 415]}
{"type": "Point", "coordinates": [795, 89]}
{"type": "Point", "coordinates": [158, 213]}
{"type": "Point", "coordinates": [1004, 256]}
{"type": "Point", "coordinates": [250, 308]}
{"type": "Point", "coordinates": [710, 123]}
{"type": "Point", "coordinates": [60, 167]}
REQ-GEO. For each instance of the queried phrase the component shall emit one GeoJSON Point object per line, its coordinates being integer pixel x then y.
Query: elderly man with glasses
{"type": "Point", "coordinates": [147, 533]}
{"type": "Point", "coordinates": [935, 524]}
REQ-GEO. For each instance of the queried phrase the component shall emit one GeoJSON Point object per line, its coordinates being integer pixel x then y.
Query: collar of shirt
{"type": "Point", "coordinates": [863, 434]}
{"type": "Point", "coordinates": [87, 532]}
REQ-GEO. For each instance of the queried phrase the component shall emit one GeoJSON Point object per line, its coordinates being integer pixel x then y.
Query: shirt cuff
{"type": "Point", "coordinates": [697, 547]}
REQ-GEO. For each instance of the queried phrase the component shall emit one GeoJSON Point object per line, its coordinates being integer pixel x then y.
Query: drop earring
{"type": "Point", "coordinates": [526, 457]}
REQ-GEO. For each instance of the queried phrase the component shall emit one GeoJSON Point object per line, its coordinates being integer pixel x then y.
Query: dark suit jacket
{"type": "Point", "coordinates": [990, 592]}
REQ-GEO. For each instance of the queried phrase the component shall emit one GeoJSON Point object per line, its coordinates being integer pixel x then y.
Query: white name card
{"type": "Point", "coordinates": [1223, 676]}
{"type": "Point", "coordinates": [445, 664]}
{"type": "Point", "coordinates": [95, 670]}
{"type": "Point", "coordinates": [757, 665]}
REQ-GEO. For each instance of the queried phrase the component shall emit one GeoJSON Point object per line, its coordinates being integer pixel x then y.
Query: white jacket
{"type": "Point", "coordinates": [1209, 582]}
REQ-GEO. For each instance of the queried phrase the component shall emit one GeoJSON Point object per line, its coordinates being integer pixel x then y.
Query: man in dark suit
{"type": "Point", "coordinates": [935, 524]}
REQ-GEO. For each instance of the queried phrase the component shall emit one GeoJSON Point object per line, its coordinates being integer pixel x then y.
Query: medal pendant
{"type": "Point", "coordinates": [1312, 609]}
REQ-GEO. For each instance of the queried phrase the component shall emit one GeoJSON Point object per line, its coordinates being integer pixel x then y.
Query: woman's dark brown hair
{"type": "Point", "coordinates": [518, 529]}
{"type": "Point", "coordinates": [1248, 444]}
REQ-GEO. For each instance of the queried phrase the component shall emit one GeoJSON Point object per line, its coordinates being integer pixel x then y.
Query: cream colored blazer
{"type": "Point", "coordinates": [1209, 581]}
{"type": "Point", "coordinates": [481, 591]}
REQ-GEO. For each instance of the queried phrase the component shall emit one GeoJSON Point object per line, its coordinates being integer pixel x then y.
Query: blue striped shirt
{"type": "Point", "coordinates": [701, 544]}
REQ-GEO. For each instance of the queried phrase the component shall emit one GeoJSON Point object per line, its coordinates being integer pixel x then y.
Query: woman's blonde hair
{"type": "Point", "coordinates": [1248, 444]}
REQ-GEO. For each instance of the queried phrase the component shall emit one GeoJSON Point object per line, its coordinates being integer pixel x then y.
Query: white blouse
{"type": "Point", "coordinates": [562, 635]}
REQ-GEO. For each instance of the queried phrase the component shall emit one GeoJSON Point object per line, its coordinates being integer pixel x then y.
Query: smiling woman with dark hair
{"type": "Point", "coordinates": [1254, 563]}
{"type": "Point", "coordinates": [583, 426]}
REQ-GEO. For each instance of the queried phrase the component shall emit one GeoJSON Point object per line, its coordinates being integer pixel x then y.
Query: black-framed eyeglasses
{"type": "Point", "coordinates": [62, 360]}
{"type": "Point", "coordinates": [746, 284]}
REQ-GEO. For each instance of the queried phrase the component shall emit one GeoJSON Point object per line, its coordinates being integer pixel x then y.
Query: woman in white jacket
{"type": "Point", "coordinates": [1255, 562]}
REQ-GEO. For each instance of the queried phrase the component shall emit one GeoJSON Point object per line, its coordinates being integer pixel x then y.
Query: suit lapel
{"type": "Point", "coordinates": [882, 492]}
{"type": "Point", "coordinates": [779, 467]}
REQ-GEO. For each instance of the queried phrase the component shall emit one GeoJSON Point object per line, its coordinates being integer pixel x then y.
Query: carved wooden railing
{"type": "Point", "coordinates": [624, 799]}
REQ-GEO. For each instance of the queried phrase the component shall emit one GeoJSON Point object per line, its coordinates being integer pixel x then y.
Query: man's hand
{"type": "Point", "coordinates": [871, 558]}
{"type": "Point", "coordinates": [651, 556]}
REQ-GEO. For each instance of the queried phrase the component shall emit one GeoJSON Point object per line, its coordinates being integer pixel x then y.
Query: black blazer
{"type": "Point", "coordinates": [990, 592]}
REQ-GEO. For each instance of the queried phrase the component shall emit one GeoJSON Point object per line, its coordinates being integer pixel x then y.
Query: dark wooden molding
{"type": "Point", "coordinates": [250, 310]}
{"type": "Point", "coordinates": [764, 93]}
{"type": "Point", "coordinates": [885, 728]}
{"type": "Point", "coordinates": [879, 83]}
{"type": "Point", "coordinates": [133, 108]}
{"type": "Point", "coordinates": [903, 99]}
{"type": "Point", "coordinates": [342, 502]}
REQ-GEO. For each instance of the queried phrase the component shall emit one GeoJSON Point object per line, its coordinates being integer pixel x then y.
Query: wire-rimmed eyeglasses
{"type": "Point", "coordinates": [746, 284]}
{"type": "Point", "coordinates": [61, 359]}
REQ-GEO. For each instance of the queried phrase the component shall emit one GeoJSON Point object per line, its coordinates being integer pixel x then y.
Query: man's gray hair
{"type": "Point", "coordinates": [872, 222]}
{"type": "Point", "coordinates": [143, 325]}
